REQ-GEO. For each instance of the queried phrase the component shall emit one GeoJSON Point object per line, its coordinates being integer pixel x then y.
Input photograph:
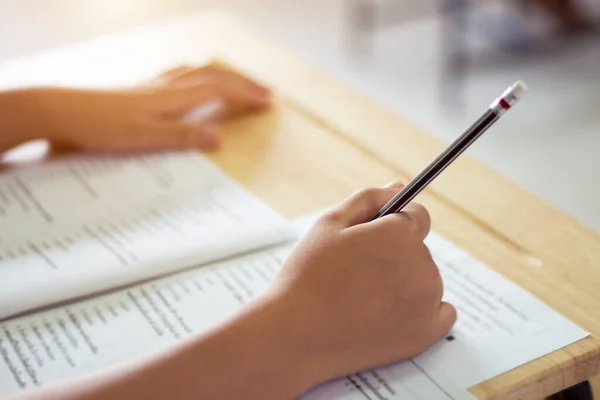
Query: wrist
{"type": "Point", "coordinates": [255, 355]}
{"type": "Point", "coordinates": [268, 351]}
{"type": "Point", "coordinates": [32, 114]}
{"type": "Point", "coordinates": [298, 332]}
{"type": "Point", "coordinates": [284, 344]}
{"type": "Point", "coordinates": [18, 120]}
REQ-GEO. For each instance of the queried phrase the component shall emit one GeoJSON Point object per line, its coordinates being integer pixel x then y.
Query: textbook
{"type": "Point", "coordinates": [82, 225]}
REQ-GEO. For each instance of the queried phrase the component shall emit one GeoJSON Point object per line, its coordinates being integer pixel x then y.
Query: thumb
{"type": "Point", "coordinates": [361, 206]}
{"type": "Point", "coordinates": [446, 320]}
{"type": "Point", "coordinates": [181, 135]}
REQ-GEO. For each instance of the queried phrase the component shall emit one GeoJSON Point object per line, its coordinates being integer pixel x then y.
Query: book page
{"type": "Point", "coordinates": [86, 224]}
{"type": "Point", "coordinates": [500, 326]}
{"type": "Point", "coordinates": [86, 336]}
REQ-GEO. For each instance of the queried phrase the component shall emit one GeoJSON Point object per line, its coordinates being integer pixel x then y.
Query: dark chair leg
{"type": "Point", "coordinates": [581, 391]}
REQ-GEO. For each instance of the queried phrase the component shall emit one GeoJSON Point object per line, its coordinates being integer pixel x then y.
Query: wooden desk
{"type": "Point", "coordinates": [324, 141]}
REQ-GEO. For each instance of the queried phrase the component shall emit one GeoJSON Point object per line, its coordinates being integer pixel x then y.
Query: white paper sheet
{"type": "Point", "coordinates": [513, 328]}
{"type": "Point", "coordinates": [82, 225]}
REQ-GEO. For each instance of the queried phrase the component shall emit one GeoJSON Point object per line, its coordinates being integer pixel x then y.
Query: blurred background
{"type": "Point", "coordinates": [437, 63]}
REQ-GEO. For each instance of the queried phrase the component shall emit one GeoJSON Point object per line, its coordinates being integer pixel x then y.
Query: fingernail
{"type": "Point", "coordinates": [395, 185]}
{"type": "Point", "coordinates": [209, 139]}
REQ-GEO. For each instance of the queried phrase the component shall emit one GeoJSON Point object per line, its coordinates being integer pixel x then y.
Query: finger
{"type": "Point", "coordinates": [165, 77]}
{"type": "Point", "coordinates": [420, 217]}
{"type": "Point", "coordinates": [229, 83]}
{"type": "Point", "coordinates": [192, 75]}
{"type": "Point", "coordinates": [178, 135]}
{"type": "Point", "coordinates": [445, 320]}
{"type": "Point", "coordinates": [395, 185]}
{"type": "Point", "coordinates": [212, 111]}
{"type": "Point", "coordinates": [218, 72]}
{"type": "Point", "coordinates": [182, 100]}
{"type": "Point", "coordinates": [174, 73]}
{"type": "Point", "coordinates": [241, 83]}
{"type": "Point", "coordinates": [361, 206]}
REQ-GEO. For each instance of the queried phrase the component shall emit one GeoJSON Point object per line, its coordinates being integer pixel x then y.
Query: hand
{"type": "Point", "coordinates": [353, 295]}
{"type": "Point", "coordinates": [363, 294]}
{"type": "Point", "coordinates": [149, 117]}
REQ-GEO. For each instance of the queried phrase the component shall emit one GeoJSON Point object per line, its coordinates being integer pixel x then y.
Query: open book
{"type": "Point", "coordinates": [145, 203]}
{"type": "Point", "coordinates": [83, 225]}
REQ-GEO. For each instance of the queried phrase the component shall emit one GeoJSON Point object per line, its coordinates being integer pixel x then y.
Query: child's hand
{"type": "Point", "coordinates": [357, 295]}
{"type": "Point", "coordinates": [148, 117]}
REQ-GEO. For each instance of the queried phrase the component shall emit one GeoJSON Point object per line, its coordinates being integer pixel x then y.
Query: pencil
{"type": "Point", "coordinates": [498, 107]}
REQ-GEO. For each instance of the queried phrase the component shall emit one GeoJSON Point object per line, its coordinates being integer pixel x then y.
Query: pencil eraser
{"type": "Point", "coordinates": [518, 89]}
{"type": "Point", "coordinates": [509, 97]}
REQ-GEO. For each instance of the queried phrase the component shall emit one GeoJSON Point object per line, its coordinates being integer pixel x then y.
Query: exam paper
{"type": "Point", "coordinates": [86, 224]}
{"type": "Point", "coordinates": [500, 326]}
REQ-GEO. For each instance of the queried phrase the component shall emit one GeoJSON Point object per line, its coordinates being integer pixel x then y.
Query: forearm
{"type": "Point", "coordinates": [19, 122]}
{"type": "Point", "coordinates": [249, 357]}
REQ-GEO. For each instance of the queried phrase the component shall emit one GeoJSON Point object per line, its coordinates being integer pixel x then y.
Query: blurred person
{"type": "Point", "coordinates": [352, 296]}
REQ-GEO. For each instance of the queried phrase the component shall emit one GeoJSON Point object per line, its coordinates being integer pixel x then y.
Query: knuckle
{"type": "Point", "coordinates": [367, 192]}
{"type": "Point", "coordinates": [427, 253]}
{"type": "Point", "coordinates": [180, 69]}
{"type": "Point", "coordinates": [212, 74]}
{"type": "Point", "coordinates": [430, 269]}
{"type": "Point", "coordinates": [220, 74]}
{"type": "Point", "coordinates": [368, 195]}
{"type": "Point", "coordinates": [398, 226]}
{"type": "Point", "coordinates": [332, 216]}
{"type": "Point", "coordinates": [213, 65]}
{"type": "Point", "coordinates": [420, 217]}
{"type": "Point", "coordinates": [411, 228]}
{"type": "Point", "coordinates": [421, 209]}
{"type": "Point", "coordinates": [428, 284]}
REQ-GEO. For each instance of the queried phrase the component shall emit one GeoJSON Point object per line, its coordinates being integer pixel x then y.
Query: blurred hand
{"type": "Point", "coordinates": [149, 117]}
{"type": "Point", "coordinates": [363, 294]}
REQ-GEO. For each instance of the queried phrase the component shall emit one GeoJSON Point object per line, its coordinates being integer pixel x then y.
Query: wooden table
{"type": "Point", "coordinates": [323, 141]}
